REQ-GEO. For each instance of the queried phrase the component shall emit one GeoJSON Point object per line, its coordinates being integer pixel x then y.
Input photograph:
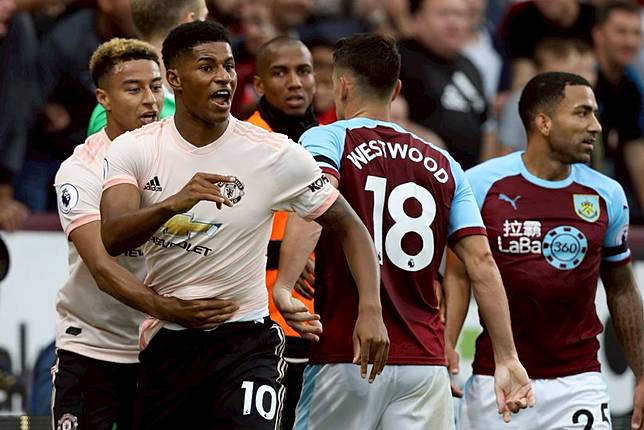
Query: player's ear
{"type": "Point", "coordinates": [104, 99]}
{"type": "Point", "coordinates": [396, 90]}
{"type": "Point", "coordinates": [259, 85]}
{"type": "Point", "coordinates": [543, 123]}
{"type": "Point", "coordinates": [173, 79]}
{"type": "Point", "coordinates": [344, 87]}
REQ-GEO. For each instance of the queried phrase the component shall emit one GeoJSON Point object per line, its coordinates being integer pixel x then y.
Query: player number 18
{"type": "Point", "coordinates": [403, 223]}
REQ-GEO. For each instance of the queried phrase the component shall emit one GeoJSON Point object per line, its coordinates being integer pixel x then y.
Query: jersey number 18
{"type": "Point", "coordinates": [403, 223]}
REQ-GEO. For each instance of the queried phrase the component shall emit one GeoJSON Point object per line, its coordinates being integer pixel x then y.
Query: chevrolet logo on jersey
{"type": "Point", "coordinates": [587, 206]}
{"type": "Point", "coordinates": [184, 227]}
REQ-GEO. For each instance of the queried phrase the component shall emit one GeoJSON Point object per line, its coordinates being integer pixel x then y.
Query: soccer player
{"type": "Point", "coordinates": [159, 191]}
{"type": "Point", "coordinates": [153, 20]}
{"type": "Point", "coordinates": [414, 198]}
{"type": "Point", "coordinates": [286, 84]}
{"type": "Point", "coordinates": [96, 335]}
{"type": "Point", "coordinates": [555, 226]}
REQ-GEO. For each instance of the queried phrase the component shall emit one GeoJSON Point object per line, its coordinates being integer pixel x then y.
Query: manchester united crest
{"type": "Point", "coordinates": [67, 422]}
{"type": "Point", "coordinates": [233, 191]}
{"type": "Point", "coordinates": [587, 206]}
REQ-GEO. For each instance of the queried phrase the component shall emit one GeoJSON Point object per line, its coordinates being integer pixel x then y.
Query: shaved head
{"type": "Point", "coordinates": [266, 52]}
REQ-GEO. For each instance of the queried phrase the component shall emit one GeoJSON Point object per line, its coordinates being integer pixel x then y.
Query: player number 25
{"type": "Point", "coordinates": [262, 391]}
{"type": "Point", "coordinates": [577, 417]}
{"type": "Point", "coordinates": [403, 223]}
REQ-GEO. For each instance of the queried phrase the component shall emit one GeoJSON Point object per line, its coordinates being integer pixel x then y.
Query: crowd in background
{"type": "Point", "coordinates": [463, 65]}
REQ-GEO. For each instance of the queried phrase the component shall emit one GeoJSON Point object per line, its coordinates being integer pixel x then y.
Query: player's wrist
{"type": "Point", "coordinates": [160, 308]}
{"type": "Point", "coordinates": [370, 308]}
{"type": "Point", "coordinates": [449, 344]}
{"type": "Point", "coordinates": [168, 207]}
{"type": "Point", "coordinates": [506, 357]}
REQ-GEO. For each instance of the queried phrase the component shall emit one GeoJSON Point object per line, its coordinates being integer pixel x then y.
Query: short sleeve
{"type": "Point", "coordinates": [325, 144]}
{"type": "Point", "coordinates": [301, 186]}
{"type": "Point", "coordinates": [124, 162]}
{"type": "Point", "coordinates": [464, 215]}
{"type": "Point", "coordinates": [615, 247]}
{"type": "Point", "coordinates": [78, 195]}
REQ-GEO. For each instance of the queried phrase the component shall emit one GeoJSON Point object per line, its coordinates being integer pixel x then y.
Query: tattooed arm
{"type": "Point", "coordinates": [625, 306]}
{"type": "Point", "coordinates": [370, 341]}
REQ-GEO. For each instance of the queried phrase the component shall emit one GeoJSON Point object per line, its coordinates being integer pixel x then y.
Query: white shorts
{"type": "Point", "coordinates": [578, 402]}
{"type": "Point", "coordinates": [334, 396]}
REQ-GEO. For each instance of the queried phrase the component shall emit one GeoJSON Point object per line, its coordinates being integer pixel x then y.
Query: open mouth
{"type": "Point", "coordinates": [149, 117]}
{"type": "Point", "coordinates": [221, 98]}
{"type": "Point", "coordinates": [295, 100]}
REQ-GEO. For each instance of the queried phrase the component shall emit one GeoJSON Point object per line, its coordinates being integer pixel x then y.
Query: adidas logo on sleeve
{"type": "Point", "coordinates": [153, 185]}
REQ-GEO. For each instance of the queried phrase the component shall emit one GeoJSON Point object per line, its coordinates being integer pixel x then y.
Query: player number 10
{"type": "Point", "coordinates": [403, 223]}
{"type": "Point", "coordinates": [249, 390]}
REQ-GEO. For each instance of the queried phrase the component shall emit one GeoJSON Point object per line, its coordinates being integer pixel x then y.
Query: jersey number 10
{"type": "Point", "coordinates": [403, 223]}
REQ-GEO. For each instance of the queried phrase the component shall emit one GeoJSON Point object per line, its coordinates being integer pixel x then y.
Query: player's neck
{"type": "Point", "coordinates": [113, 130]}
{"type": "Point", "coordinates": [538, 162]}
{"type": "Point", "coordinates": [370, 110]}
{"type": "Point", "coordinates": [196, 131]}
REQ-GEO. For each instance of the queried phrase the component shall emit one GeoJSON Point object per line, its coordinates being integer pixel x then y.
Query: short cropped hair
{"type": "Point", "coordinates": [544, 92]}
{"type": "Point", "coordinates": [264, 53]}
{"type": "Point", "coordinates": [374, 59]}
{"type": "Point", "coordinates": [604, 11]}
{"type": "Point", "coordinates": [116, 51]}
{"type": "Point", "coordinates": [186, 36]}
{"type": "Point", "coordinates": [155, 18]}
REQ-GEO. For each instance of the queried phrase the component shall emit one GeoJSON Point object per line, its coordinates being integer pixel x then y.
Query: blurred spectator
{"type": "Point", "coordinates": [337, 23]}
{"type": "Point", "coordinates": [617, 37]}
{"type": "Point", "coordinates": [153, 20]}
{"type": "Point", "coordinates": [226, 12]}
{"type": "Point", "coordinates": [444, 89]}
{"type": "Point", "coordinates": [288, 15]}
{"type": "Point", "coordinates": [525, 23]}
{"type": "Point", "coordinates": [482, 49]}
{"type": "Point", "coordinates": [551, 55]}
{"type": "Point", "coordinates": [495, 11]}
{"type": "Point", "coordinates": [18, 48]}
{"type": "Point", "coordinates": [256, 29]}
{"type": "Point", "coordinates": [389, 17]}
{"type": "Point", "coordinates": [7, 8]}
{"type": "Point", "coordinates": [322, 53]}
{"type": "Point", "coordinates": [65, 94]}
{"type": "Point", "coordinates": [400, 116]}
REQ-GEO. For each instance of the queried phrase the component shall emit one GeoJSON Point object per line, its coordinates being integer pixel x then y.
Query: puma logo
{"type": "Point", "coordinates": [513, 202]}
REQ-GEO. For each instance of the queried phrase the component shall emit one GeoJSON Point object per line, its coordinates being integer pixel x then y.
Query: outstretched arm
{"type": "Point", "coordinates": [625, 306]}
{"type": "Point", "coordinates": [125, 225]}
{"type": "Point", "coordinates": [299, 240]}
{"type": "Point", "coordinates": [370, 339]}
{"type": "Point", "coordinates": [512, 385]}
